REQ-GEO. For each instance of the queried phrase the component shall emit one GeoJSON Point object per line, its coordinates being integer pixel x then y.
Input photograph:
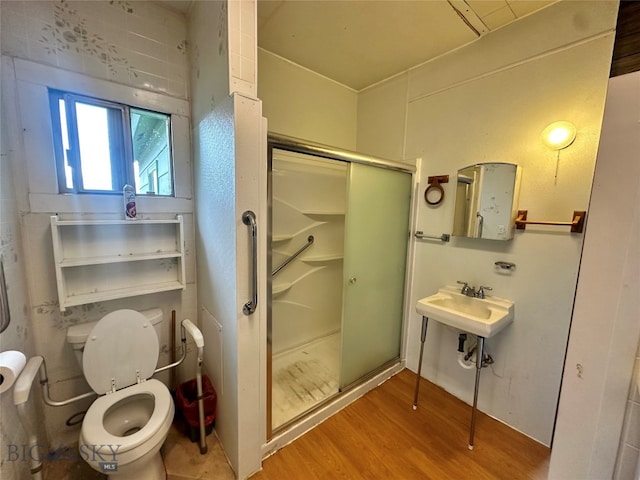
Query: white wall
{"type": "Point", "coordinates": [489, 102]}
{"type": "Point", "coordinates": [628, 457]}
{"type": "Point", "coordinates": [303, 104]}
{"type": "Point", "coordinates": [19, 333]}
{"type": "Point", "coordinates": [137, 43]}
{"type": "Point", "coordinates": [213, 138]}
{"type": "Point", "coordinates": [605, 327]}
{"type": "Point", "coordinates": [132, 53]}
{"type": "Point", "coordinates": [230, 178]}
{"type": "Point", "coordinates": [382, 112]}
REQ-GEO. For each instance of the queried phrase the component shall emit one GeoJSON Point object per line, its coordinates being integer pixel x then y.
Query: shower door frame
{"type": "Point", "coordinates": [291, 144]}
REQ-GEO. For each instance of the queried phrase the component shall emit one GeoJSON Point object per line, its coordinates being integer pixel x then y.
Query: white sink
{"type": "Point", "coordinates": [480, 316]}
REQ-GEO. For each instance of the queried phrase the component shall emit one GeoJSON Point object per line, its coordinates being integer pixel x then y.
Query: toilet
{"type": "Point", "coordinates": [124, 428]}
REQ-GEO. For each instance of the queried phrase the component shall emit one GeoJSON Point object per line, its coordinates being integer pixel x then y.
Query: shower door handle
{"type": "Point", "coordinates": [249, 219]}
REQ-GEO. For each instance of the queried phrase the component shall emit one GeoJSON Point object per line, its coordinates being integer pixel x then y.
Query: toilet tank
{"type": "Point", "coordinates": [77, 334]}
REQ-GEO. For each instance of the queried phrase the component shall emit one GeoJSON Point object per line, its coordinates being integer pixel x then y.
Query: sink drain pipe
{"type": "Point", "coordinates": [462, 358]}
{"type": "Point", "coordinates": [461, 361]}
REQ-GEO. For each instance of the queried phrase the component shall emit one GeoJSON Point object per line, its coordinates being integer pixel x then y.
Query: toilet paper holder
{"type": "Point", "coordinates": [12, 363]}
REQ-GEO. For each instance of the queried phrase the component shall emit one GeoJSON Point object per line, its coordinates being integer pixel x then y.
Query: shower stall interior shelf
{"type": "Point", "coordinates": [97, 260]}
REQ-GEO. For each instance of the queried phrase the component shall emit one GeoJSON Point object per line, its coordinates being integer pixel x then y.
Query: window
{"type": "Point", "coordinates": [101, 146]}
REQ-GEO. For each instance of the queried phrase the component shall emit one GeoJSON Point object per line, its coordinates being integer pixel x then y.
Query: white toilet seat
{"type": "Point", "coordinates": [121, 350]}
{"type": "Point", "coordinates": [93, 430]}
{"type": "Point", "coordinates": [123, 431]}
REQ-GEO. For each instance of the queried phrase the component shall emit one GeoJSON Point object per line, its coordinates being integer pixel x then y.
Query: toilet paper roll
{"type": "Point", "coordinates": [11, 364]}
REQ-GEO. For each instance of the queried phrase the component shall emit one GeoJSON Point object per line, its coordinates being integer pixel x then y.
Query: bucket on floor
{"type": "Point", "coordinates": [187, 405]}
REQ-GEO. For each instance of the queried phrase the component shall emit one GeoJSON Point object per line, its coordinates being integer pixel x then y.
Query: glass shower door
{"type": "Point", "coordinates": [308, 200]}
{"type": "Point", "coordinates": [375, 252]}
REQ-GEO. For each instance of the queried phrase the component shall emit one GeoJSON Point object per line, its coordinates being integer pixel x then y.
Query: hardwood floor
{"type": "Point", "coordinates": [380, 436]}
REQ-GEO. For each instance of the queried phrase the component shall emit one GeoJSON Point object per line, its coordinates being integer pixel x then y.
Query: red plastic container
{"type": "Point", "coordinates": [187, 404]}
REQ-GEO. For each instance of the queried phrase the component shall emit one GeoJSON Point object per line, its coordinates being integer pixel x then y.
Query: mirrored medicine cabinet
{"type": "Point", "coordinates": [486, 201]}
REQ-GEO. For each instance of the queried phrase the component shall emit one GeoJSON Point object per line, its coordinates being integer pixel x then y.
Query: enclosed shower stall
{"type": "Point", "coordinates": [338, 237]}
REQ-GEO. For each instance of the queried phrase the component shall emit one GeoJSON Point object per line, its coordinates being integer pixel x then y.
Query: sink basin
{"type": "Point", "coordinates": [480, 316]}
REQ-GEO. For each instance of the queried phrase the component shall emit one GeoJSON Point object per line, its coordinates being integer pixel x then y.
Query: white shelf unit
{"type": "Point", "coordinates": [97, 260]}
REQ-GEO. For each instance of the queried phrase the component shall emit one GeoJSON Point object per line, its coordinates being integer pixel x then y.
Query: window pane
{"type": "Point", "coordinates": [68, 173]}
{"type": "Point", "coordinates": [152, 152]}
{"type": "Point", "coordinates": [101, 145]}
{"type": "Point", "coordinates": [93, 139]}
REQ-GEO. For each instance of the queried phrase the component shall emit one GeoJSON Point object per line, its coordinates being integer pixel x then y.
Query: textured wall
{"type": "Point", "coordinates": [230, 175]}
{"type": "Point", "coordinates": [134, 43]}
{"type": "Point", "coordinates": [117, 48]}
{"type": "Point", "coordinates": [19, 334]}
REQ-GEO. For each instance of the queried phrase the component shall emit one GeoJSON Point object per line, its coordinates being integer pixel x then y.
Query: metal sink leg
{"type": "Point", "coordinates": [479, 357]}
{"type": "Point", "coordinates": [423, 336]}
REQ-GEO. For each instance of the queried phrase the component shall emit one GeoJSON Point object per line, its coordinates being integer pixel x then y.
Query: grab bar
{"type": "Point", "coordinates": [249, 219]}
{"type": "Point", "coordinates": [293, 257]}
{"type": "Point", "coordinates": [21, 391]}
{"type": "Point", "coordinates": [445, 237]}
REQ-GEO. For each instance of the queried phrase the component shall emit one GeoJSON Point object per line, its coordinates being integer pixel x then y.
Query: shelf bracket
{"type": "Point", "coordinates": [576, 224]}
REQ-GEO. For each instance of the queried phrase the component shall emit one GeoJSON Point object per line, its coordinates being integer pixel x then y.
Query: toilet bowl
{"type": "Point", "coordinates": [123, 430]}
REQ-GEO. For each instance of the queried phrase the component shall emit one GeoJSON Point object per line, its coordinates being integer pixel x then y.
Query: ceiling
{"type": "Point", "coordinates": [361, 42]}
{"type": "Point", "coordinates": [358, 43]}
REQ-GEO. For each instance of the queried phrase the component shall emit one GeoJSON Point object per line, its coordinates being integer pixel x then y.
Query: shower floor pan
{"type": "Point", "coordinates": [304, 377]}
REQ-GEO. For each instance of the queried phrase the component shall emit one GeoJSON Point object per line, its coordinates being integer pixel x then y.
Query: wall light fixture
{"type": "Point", "coordinates": [557, 136]}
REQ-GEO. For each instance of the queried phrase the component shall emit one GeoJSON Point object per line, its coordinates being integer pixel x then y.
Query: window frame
{"type": "Point", "coordinates": [33, 117]}
{"type": "Point", "coordinates": [120, 144]}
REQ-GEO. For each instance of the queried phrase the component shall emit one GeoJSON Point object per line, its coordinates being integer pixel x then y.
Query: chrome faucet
{"type": "Point", "coordinates": [471, 291]}
{"type": "Point", "coordinates": [467, 290]}
{"type": "Point", "coordinates": [481, 289]}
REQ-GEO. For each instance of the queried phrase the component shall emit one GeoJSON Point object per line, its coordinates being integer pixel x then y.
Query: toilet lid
{"type": "Point", "coordinates": [123, 347]}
